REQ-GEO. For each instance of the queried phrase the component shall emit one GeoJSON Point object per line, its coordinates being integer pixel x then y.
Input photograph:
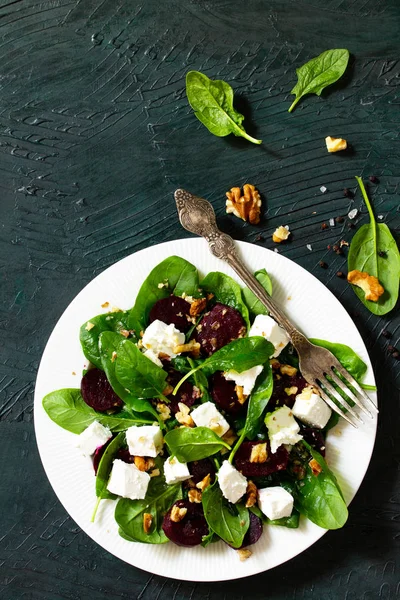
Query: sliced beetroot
{"type": "Point", "coordinates": [275, 462]}
{"type": "Point", "coordinates": [191, 529]}
{"type": "Point", "coordinates": [315, 438]}
{"type": "Point", "coordinates": [172, 310]}
{"type": "Point", "coordinates": [279, 396]}
{"type": "Point", "coordinates": [98, 453]}
{"type": "Point", "coordinates": [124, 455]}
{"type": "Point", "coordinates": [201, 468]}
{"type": "Point", "coordinates": [224, 395]}
{"type": "Point", "coordinates": [97, 392]}
{"type": "Point", "coordinates": [221, 325]}
{"type": "Point", "coordinates": [254, 531]}
{"type": "Point", "coordinates": [187, 393]}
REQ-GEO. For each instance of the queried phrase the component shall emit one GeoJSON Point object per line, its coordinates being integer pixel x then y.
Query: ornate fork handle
{"type": "Point", "coordinates": [197, 216]}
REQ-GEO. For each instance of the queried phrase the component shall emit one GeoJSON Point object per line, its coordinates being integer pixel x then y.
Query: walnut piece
{"type": "Point", "coordinates": [197, 306]}
{"type": "Point", "coordinates": [335, 144]}
{"type": "Point", "coordinates": [246, 207]}
{"type": "Point", "coordinates": [315, 467]}
{"type": "Point", "coordinates": [183, 417]}
{"type": "Point", "coordinates": [251, 494]}
{"type": "Point", "coordinates": [229, 437]}
{"type": "Point", "coordinates": [154, 473]}
{"type": "Point", "coordinates": [281, 234]}
{"type": "Point", "coordinates": [192, 346]}
{"type": "Point", "coordinates": [291, 390]}
{"type": "Point", "coordinates": [142, 463]}
{"type": "Point", "coordinates": [239, 392]}
{"type": "Point", "coordinates": [244, 554]}
{"type": "Point", "coordinates": [288, 370]}
{"type": "Point", "coordinates": [368, 283]}
{"type": "Point", "coordinates": [204, 483]}
{"type": "Point", "coordinates": [259, 453]}
{"type": "Point", "coordinates": [164, 411]}
{"type": "Point", "coordinates": [177, 514]}
{"type": "Point", "coordinates": [194, 496]}
{"type": "Point", "coordinates": [147, 521]}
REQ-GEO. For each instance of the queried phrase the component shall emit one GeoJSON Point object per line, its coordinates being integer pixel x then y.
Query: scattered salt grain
{"type": "Point", "coordinates": [276, 250]}
{"type": "Point", "coordinates": [353, 213]}
{"type": "Point", "coordinates": [332, 222]}
{"type": "Point", "coordinates": [323, 189]}
{"type": "Point", "coordinates": [380, 217]}
{"type": "Point", "coordinates": [309, 247]}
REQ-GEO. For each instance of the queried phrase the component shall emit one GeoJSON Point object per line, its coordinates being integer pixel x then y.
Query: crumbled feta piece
{"type": "Point", "coordinates": [311, 409]}
{"type": "Point", "coordinates": [144, 441]}
{"type": "Point", "coordinates": [246, 379]}
{"type": "Point", "coordinates": [162, 338]}
{"type": "Point", "coordinates": [232, 483]}
{"type": "Point", "coordinates": [275, 502]}
{"type": "Point", "coordinates": [206, 415]}
{"type": "Point", "coordinates": [323, 189]}
{"type": "Point", "coordinates": [270, 330]}
{"type": "Point", "coordinates": [127, 481]}
{"type": "Point", "coordinates": [153, 357]}
{"type": "Point", "coordinates": [282, 428]}
{"type": "Point", "coordinates": [380, 217]}
{"type": "Point", "coordinates": [94, 436]}
{"type": "Point", "coordinates": [309, 247]}
{"type": "Point", "coordinates": [353, 213]}
{"type": "Point", "coordinates": [175, 471]}
{"type": "Point", "coordinates": [332, 222]}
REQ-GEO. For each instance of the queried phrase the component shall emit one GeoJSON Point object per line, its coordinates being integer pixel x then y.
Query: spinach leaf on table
{"type": "Point", "coordinates": [229, 521]}
{"type": "Point", "coordinates": [227, 291]}
{"type": "Point", "coordinates": [189, 444]}
{"type": "Point", "coordinates": [254, 305]}
{"type": "Point", "coordinates": [346, 356]}
{"type": "Point", "coordinates": [179, 275]}
{"type": "Point", "coordinates": [373, 250]}
{"type": "Point", "coordinates": [67, 408]}
{"type": "Point", "coordinates": [104, 470]}
{"type": "Point", "coordinates": [115, 321]}
{"type": "Point", "coordinates": [212, 102]}
{"type": "Point", "coordinates": [319, 72]}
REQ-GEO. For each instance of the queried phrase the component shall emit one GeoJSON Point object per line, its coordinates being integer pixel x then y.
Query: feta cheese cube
{"type": "Point", "coordinates": [311, 409]}
{"type": "Point", "coordinates": [275, 502]}
{"type": "Point", "coordinates": [282, 428]}
{"type": "Point", "coordinates": [162, 338]}
{"type": "Point", "coordinates": [269, 329]}
{"type": "Point", "coordinates": [127, 481]}
{"type": "Point", "coordinates": [94, 436]}
{"type": "Point", "coordinates": [232, 483]}
{"type": "Point", "coordinates": [175, 471]}
{"type": "Point", "coordinates": [144, 441]}
{"type": "Point", "coordinates": [247, 378]}
{"type": "Point", "coordinates": [206, 415]}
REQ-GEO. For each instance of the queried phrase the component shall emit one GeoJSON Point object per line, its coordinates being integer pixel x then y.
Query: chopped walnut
{"type": "Point", "coordinates": [192, 346]}
{"type": "Point", "coordinates": [125, 332]}
{"type": "Point", "coordinates": [147, 521]}
{"type": "Point", "coordinates": [335, 144]}
{"type": "Point", "coordinates": [204, 483]}
{"type": "Point", "coordinates": [288, 370]}
{"type": "Point", "coordinates": [197, 306]}
{"type": "Point", "coordinates": [251, 494]}
{"type": "Point", "coordinates": [275, 364]}
{"type": "Point", "coordinates": [89, 326]}
{"type": "Point", "coordinates": [164, 411]}
{"type": "Point", "coordinates": [143, 464]}
{"type": "Point", "coordinates": [177, 514]}
{"type": "Point", "coordinates": [291, 390]}
{"type": "Point", "coordinates": [368, 283]}
{"type": "Point", "coordinates": [183, 417]}
{"type": "Point", "coordinates": [246, 207]}
{"type": "Point", "coordinates": [315, 467]}
{"type": "Point", "coordinates": [240, 396]}
{"type": "Point", "coordinates": [154, 473]}
{"type": "Point", "coordinates": [168, 390]}
{"type": "Point", "coordinates": [229, 437]}
{"type": "Point", "coordinates": [216, 426]}
{"type": "Point", "coordinates": [281, 234]}
{"type": "Point", "coordinates": [244, 554]}
{"type": "Point", "coordinates": [105, 305]}
{"type": "Point", "coordinates": [113, 356]}
{"type": "Point", "coordinates": [116, 309]}
{"type": "Point", "coordinates": [194, 496]}
{"type": "Point", "coordinates": [259, 453]}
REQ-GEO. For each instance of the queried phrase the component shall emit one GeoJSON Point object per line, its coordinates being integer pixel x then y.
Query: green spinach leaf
{"type": "Point", "coordinates": [89, 338]}
{"type": "Point", "coordinates": [373, 250]}
{"type": "Point", "coordinates": [227, 291]}
{"type": "Point", "coordinates": [253, 304]}
{"type": "Point", "coordinates": [319, 72]}
{"type": "Point", "coordinates": [189, 444]}
{"type": "Point", "coordinates": [229, 521]}
{"type": "Point", "coordinates": [212, 102]}
{"type": "Point", "coordinates": [104, 470]}
{"type": "Point", "coordinates": [258, 401]}
{"type": "Point", "coordinates": [346, 356]}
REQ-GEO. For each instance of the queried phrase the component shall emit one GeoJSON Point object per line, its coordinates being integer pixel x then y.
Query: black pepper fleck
{"type": "Point", "coordinates": [396, 355]}
{"type": "Point", "coordinates": [373, 179]}
{"type": "Point", "coordinates": [324, 226]}
{"type": "Point", "coordinates": [386, 333]}
{"type": "Point", "coordinates": [340, 274]}
{"type": "Point", "coordinates": [348, 193]}
{"type": "Point", "coordinates": [323, 264]}
{"type": "Point", "coordinates": [351, 226]}
{"type": "Point", "coordinates": [382, 254]}
{"type": "Point", "coordinates": [339, 219]}
{"type": "Point", "coordinates": [391, 349]}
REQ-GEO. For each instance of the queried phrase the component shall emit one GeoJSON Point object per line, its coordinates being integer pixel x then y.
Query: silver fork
{"type": "Point", "coordinates": [316, 364]}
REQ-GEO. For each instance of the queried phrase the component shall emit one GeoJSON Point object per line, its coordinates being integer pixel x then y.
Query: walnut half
{"type": "Point", "coordinates": [246, 207]}
{"type": "Point", "coordinates": [368, 283]}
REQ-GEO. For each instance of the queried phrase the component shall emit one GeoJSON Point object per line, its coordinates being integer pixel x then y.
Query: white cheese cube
{"type": "Point", "coordinates": [144, 441]}
{"type": "Point", "coordinates": [232, 483]}
{"type": "Point", "coordinates": [282, 428]}
{"type": "Point", "coordinates": [127, 481]}
{"type": "Point", "coordinates": [275, 502]}
{"type": "Point", "coordinates": [206, 415]}
{"type": "Point", "coordinates": [269, 329]}
{"type": "Point", "coordinates": [94, 436]}
{"type": "Point", "coordinates": [311, 409]}
{"type": "Point", "coordinates": [247, 378]}
{"type": "Point", "coordinates": [162, 338]}
{"type": "Point", "coordinates": [175, 471]}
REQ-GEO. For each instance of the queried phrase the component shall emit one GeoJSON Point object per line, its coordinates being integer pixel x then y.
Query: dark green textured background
{"type": "Point", "coordinates": [95, 135]}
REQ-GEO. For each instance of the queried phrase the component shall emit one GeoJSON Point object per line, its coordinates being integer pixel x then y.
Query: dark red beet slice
{"type": "Point", "coordinates": [219, 327]}
{"type": "Point", "coordinates": [124, 454]}
{"type": "Point", "coordinates": [279, 396]}
{"type": "Point", "coordinates": [224, 395]}
{"type": "Point", "coordinates": [275, 462]}
{"type": "Point", "coordinates": [97, 392]}
{"type": "Point", "coordinates": [187, 393]}
{"type": "Point", "coordinates": [98, 453]}
{"type": "Point", "coordinates": [200, 468]}
{"type": "Point", "coordinates": [315, 438]}
{"type": "Point", "coordinates": [172, 310]}
{"type": "Point", "coordinates": [192, 528]}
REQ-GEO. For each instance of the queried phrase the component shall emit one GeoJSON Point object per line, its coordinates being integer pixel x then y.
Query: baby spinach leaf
{"type": "Point", "coordinates": [67, 408]}
{"type": "Point", "coordinates": [89, 338]}
{"type": "Point", "coordinates": [346, 356]}
{"type": "Point", "coordinates": [258, 401]}
{"type": "Point", "coordinates": [189, 444]}
{"type": "Point", "coordinates": [159, 498]}
{"type": "Point", "coordinates": [179, 275]}
{"type": "Point", "coordinates": [212, 102]}
{"type": "Point", "coordinates": [208, 539]}
{"type": "Point", "coordinates": [137, 373]}
{"type": "Point", "coordinates": [373, 250]}
{"type": "Point", "coordinates": [104, 470]}
{"type": "Point", "coordinates": [227, 291]}
{"type": "Point", "coordinates": [229, 521]}
{"type": "Point", "coordinates": [253, 304]}
{"type": "Point", "coordinates": [319, 72]}
{"type": "Point", "coordinates": [200, 381]}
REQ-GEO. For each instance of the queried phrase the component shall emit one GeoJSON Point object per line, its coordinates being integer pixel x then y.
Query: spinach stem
{"type": "Point", "coordinates": [371, 216]}
{"type": "Point", "coordinates": [178, 385]}
{"type": "Point", "coordinates": [251, 139]}
{"type": "Point", "coordinates": [95, 509]}
{"type": "Point", "coordinates": [237, 445]}
{"type": "Point", "coordinates": [295, 101]}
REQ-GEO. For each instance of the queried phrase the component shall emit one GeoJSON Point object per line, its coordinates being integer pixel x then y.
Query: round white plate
{"type": "Point", "coordinates": [315, 311]}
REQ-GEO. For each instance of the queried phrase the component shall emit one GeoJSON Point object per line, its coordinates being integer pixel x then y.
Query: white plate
{"type": "Point", "coordinates": [310, 305]}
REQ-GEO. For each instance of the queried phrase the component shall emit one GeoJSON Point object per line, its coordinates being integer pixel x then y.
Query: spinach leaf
{"type": "Point", "coordinates": [212, 102]}
{"type": "Point", "coordinates": [373, 250]}
{"type": "Point", "coordinates": [115, 321]}
{"type": "Point", "coordinates": [227, 291]}
{"type": "Point", "coordinates": [189, 444]}
{"type": "Point", "coordinates": [208, 539]}
{"type": "Point", "coordinates": [319, 497]}
{"type": "Point", "coordinates": [159, 498]}
{"type": "Point", "coordinates": [137, 373]}
{"type": "Point", "coordinates": [229, 521]}
{"type": "Point", "coordinates": [104, 470]}
{"type": "Point", "coordinates": [179, 275]}
{"type": "Point", "coordinates": [200, 381]}
{"type": "Point", "coordinates": [67, 408]}
{"type": "Point", "coordinates": [346, 356]}
{"type": "Point", "coordinates": [319, 72]}
{"type": "Point", "coordinates": [258, 401]}
{"type": "Point", "coordinates": [253, 304]}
